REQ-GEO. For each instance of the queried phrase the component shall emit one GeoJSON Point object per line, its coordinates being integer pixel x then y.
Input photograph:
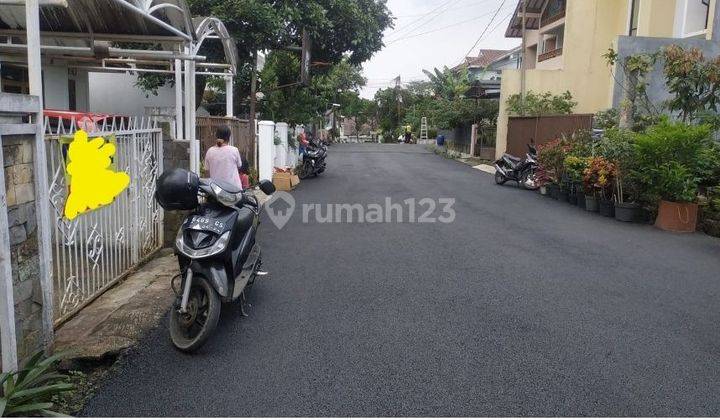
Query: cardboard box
{"type": "Point", "coordinates": [283, 181]}
{"type": "Point", "coordinates": [294, 180]}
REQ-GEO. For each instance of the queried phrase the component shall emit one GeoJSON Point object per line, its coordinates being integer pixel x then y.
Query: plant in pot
{"type": "Point", "coordinates": [599, 176]}
{"type": "Point", "coordinates": [674, 159]}
{"type": "Point", "coordinates": [618, 147]}
{"type": "Point", "coordinates": [542, 179]}
{"type": "Point", "coordinates": [551, 156]}
{"type": "Point", "coordinates": [574, 169]}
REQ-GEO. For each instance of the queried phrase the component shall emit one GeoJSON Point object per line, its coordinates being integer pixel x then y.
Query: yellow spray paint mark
{"type": "Point", "coordinates": [92, 183]}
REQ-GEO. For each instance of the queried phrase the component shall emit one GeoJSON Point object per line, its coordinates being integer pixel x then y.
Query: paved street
{"type": "Point", "coordinates": [522, 306]}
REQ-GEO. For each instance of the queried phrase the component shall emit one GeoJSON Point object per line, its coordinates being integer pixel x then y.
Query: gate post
{"type": "Point", "coordinates": [8, 340]}
{"type": "Point", "coordinates": [473, 139]}
{"type": "Point", "coordinates": [266, 134]}
{"type": "Point", "coordinates": [135, 200]}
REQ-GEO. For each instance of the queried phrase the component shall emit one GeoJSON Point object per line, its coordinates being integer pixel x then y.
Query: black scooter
{"type": "Point", "coordinates": [522, 171]}
{"type": "Point", "coordinates": [219, 259]}
{"type": "Point", "coordinates": [313, 160]}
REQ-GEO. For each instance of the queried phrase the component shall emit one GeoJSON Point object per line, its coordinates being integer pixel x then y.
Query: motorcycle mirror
{"type": "Point", "coordinates": [267, 187]}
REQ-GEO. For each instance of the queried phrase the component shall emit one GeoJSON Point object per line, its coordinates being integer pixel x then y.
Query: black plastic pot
{"type": "Point", "coordinates": [563, 195]}
{"type": "Point", "coordinates": [573, 199]}
{"type": "Point", "coordinates": [591, 203]}
{"type": "Point", "coordinates": [627, 212]}
{"type": "Point", "coordinates": [554, 191]}
{"type": "Point", "coordinates": [607, 208]}
{"type": "Point", "coordinates": [581, 199]}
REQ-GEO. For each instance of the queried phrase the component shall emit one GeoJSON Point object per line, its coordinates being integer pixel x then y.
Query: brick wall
{"type": "Point", "coordinates": [20, 189]}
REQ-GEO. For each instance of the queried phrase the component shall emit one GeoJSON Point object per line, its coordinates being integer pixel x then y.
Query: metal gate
{"type": "Point", "coordinates": [97, 249]}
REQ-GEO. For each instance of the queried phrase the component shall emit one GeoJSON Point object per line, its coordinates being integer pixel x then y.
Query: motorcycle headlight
{"type": "Point", "coordinates": [214, 249]}
{"type": "Point", "coordinates": [225, 198]}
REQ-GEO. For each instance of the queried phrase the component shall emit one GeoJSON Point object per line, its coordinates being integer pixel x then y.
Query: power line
{"type": "Point", "coordinates": [438, 29]}
{"type": "Point", "coordinates": [484, 31]}
{"type": "Point", "coordinates": [449, 10]}
{"type": "Point", "coordinates": [414, 24]}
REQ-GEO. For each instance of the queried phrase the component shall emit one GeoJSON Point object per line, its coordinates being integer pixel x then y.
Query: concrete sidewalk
{"type": "Point", "coordinates": [119, 318]}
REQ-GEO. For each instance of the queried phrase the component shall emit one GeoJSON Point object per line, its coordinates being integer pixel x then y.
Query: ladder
{"type": "Point", "coordinates": [424, 129]}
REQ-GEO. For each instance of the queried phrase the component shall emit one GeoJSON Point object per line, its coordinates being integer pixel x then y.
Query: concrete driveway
{"type": "Point", "coordinates": [522, 306]}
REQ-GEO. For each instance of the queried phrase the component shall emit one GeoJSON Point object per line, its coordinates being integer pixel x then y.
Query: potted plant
{"type": "Point", "coordinates": [574, 168]}
{"type": "Point", "coordinates": [551, 156]}
{"type": "Point", "coordinates": [542, 179]}
{"type": "Point", "coordinates": [617, 146]}
{"type": "Point", "coordinates": [590, 187]}
{"type": "Point", "coordinates": [599, 175]}
{"type": "Point", "coordinates": [674, 159]}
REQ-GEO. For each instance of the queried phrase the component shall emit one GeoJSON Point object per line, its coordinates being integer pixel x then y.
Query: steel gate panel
{"type": "Point", "coordinates": [97, 249]}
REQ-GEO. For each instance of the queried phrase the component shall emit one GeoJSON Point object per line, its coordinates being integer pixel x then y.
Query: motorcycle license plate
{"type": "Point", "coordinates": [203, 223]}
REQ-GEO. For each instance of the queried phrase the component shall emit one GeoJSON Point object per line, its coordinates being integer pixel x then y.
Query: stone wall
{"type": "Point", "coordinates": [176, 154]}
{"type": "Point", "coordinates": [22, 224]}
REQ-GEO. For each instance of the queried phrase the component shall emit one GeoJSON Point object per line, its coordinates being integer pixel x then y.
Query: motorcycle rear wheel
{"type": "Point", "coordinates": [189, 331]}
{"type": "Point", "coordinates": [500, 178]}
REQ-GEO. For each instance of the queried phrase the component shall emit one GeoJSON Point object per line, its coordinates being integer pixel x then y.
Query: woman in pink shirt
{"type": "Point", "coordinates": [222, 161]}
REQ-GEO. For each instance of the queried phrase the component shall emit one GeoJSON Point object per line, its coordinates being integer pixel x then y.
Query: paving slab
{"type": "Point", "coordinates": [118, 319]}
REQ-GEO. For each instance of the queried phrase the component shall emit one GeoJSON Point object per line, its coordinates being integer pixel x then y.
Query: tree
{"type": "Point", "coordinates": [448, 84]}
{"type": "Point", "coordinates": [349, 30]}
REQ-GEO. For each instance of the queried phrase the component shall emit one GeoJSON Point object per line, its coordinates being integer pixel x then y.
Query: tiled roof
{"type": "Point", "coordinates": [484, 59]}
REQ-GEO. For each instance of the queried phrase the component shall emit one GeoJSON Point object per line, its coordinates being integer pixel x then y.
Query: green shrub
{"type": "Point", "coordinates": [30, 391]}
{"type": "Point", "coordinates": [538, 104]}
{"type": "Point", "coordinates": [674, 159]}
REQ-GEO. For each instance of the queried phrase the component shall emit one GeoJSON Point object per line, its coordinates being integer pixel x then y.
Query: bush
{"type": "Point", "coordinates": [618, 147]}
{"type": "Point", "coordinates": [674, 159]}
{"type": "Point", "coordinates": [606, 120]}
{"type": "Point", "coordinates": [599, 177]}
{"type": "Point", "coordinates": [551, 157]}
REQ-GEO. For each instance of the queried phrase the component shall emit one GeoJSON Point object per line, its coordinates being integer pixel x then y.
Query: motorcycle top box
{"type": "Point", "coordinates": [177, 189]}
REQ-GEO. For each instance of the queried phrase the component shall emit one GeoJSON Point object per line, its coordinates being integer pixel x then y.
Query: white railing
{"type": "Point", "coordinates": [94, 251]}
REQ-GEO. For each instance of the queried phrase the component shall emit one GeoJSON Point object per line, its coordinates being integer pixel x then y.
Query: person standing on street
{"type": "Point", "coordinates": [222, 161]}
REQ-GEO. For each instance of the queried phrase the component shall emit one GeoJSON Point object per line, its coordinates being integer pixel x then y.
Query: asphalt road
{"type": "Point", "coordinates": [522, 306]}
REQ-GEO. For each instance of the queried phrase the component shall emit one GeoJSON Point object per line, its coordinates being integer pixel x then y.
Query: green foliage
{"type": "Point", "coordinates": [693, 80]}
{"type": "Point", "coordinates": [448, 84]}
{"type": "Point", "coordinates": [551, 157]}
{"type": "Point", "coordinates": [618, 147]}
{"type": "Point", "coordinates": [674, 159]}
{"type": "Point", "coordinates": [608, 119]}
{"type": "Point", "coordinates": [599, 176]}
{"type": "Point", "coordinates": [575, 168]}
{"type": "Point", "coordinates": [30, 391]}
{"type": "Point", "coordinates": [536, 105]}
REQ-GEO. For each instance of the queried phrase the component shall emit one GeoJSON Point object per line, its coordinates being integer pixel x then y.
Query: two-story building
{"type": "Point", "coordinates": [565, 41]}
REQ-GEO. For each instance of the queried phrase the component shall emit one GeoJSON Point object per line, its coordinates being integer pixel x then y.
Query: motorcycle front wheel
{"type": "Point", "coordinates": [500, 178]}
{"type": "Point", "coordinates": [305, 170]}
{"type": "Point", "coordinates": [189, 331]}
{"type": "Point", "coordinates": [529, 181]}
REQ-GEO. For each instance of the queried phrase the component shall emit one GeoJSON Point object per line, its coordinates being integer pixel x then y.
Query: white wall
{"type": "Point", "coordinates": [116, 93]}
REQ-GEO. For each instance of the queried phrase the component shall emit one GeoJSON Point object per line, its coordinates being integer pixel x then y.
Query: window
{"type": "Point", "coordinates": [634, 17]}
{"type": "Point", "coordinates": [13, 79]}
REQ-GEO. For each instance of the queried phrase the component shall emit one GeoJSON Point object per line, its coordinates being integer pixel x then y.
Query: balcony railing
{"type": "Point", "coordinates": [550, 54]}
{"type": "Point", "coordinates": [547, 20]}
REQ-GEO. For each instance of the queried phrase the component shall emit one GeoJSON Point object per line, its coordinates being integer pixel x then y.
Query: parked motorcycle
{"type": "Point", "coordinates": [522, 171]}
{"type": "Point", "coordinates": [313, 160]}
{"type": "Point", "coordinates": [216, 249]}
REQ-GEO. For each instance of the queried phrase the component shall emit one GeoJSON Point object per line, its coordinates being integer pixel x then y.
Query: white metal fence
{"type": "Point", "coordinates": [96, 249]}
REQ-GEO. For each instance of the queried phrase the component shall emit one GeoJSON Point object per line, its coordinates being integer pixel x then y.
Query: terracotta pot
{"type": "Point", "coordinates": [677, 217]}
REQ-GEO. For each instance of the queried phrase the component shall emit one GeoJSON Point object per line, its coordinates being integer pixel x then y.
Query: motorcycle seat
{"type": "Point", "coordinates": [228, 188]}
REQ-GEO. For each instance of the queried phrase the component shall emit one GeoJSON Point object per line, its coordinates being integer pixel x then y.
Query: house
{"type": "Point", "coordinates": [566, 40]}
{"type": "Point", "coordinates": [487, 65]}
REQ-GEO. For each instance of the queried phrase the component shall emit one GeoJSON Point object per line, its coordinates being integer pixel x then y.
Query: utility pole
{"type": "Point", "coordinates": [523, 65]}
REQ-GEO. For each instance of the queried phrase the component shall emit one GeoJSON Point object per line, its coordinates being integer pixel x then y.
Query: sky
{"type": "Point", "coordinates": [435, 33]}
